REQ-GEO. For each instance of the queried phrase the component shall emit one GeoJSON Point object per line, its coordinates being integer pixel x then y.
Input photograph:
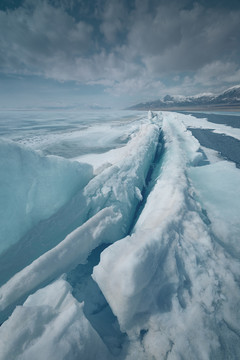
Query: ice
{"type": "Point", "coordinates": [170, 274]}
{"type": "Point", "coordinates": [69, 133]}
{"type": "Point", "coordinates": [109, 201]}
{"type": "Point", "coordinates": [161, 214]}
{"type": "Point", "coordinates": [212, 155]}
{"type": "Point", "coordinates": [100, 161]}
{"type": "Point", "coordinates": [117, 184]}
{"type": "Point", "coordinates": [33, 187]}
{"type": "Point", "coordinates": [73, 250]}
{"type": "Point", "coordinates": [218, 190]}
{"type": "Point", "coordinates": [194, 122]}
{"type": "Point", "coordinates": [103, 160]}
{"type": "Point", "coordinates": [134, 260]}
{"type": "Point", "coordinates": [50, 325]}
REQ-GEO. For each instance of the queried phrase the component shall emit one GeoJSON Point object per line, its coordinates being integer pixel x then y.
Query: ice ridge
{"type": "Point", "coordinates": [166, 286]}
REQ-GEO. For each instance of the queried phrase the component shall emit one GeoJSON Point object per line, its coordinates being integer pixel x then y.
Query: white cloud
{"type": "Point", "coordinates": [218, 72]}
{"type": "Point", "coordinates": [36, 39]}
{"type": "Point", "coordinates": [141, 85]}
{"type": "Point", "coordinates": [126, 49]}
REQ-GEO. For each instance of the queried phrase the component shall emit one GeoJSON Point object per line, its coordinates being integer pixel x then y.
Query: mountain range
{"type": "Point", "coordinates": [230, 98]}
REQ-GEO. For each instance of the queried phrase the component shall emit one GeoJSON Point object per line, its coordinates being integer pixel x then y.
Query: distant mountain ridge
{"type": "Point", "coordinates": [228, 99]}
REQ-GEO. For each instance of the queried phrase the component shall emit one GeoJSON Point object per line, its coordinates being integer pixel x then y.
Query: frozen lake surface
{"type": "Point", "coordinates": [119, 235]}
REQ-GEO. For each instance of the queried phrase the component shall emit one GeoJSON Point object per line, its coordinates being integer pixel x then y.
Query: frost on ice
{"type": "Point", "coordinates": [149, 244]}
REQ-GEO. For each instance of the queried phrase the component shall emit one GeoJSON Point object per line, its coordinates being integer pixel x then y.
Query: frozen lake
{"type": "Point", "coordinates": [65, 133]}
{"type": "Point", "coordinates": [119, 235]}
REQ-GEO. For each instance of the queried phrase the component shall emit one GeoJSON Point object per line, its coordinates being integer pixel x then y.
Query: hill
{"type": "Point", "coordinates": [230, 98]}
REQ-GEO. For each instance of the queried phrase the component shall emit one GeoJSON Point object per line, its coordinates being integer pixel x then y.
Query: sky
{"type": "Point", "coordinates": [109, 53]}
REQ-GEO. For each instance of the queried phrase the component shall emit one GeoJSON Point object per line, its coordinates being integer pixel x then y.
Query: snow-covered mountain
{"type": "Point", "coordinates": [229, 98]}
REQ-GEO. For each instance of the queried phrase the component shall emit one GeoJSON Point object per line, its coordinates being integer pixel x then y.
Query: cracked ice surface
{"type": "Point", "coordinates": [50, 316]}
{"type": "Point", "coordinates": [170, 282]}
{"type": "Point", "coordinates": [167, 283]}
{"type": "Point", "coordinates": [110, 198]}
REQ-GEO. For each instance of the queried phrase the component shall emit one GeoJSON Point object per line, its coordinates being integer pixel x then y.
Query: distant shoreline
{"type": "Point", "coordinates": [193, 108]}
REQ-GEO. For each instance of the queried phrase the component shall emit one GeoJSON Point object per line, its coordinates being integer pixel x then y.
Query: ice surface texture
{"type": "Point", "coordinates": [115, 192]}
{"type": "Point", "coordinates": [50, 325]}
{"type": "Point", "coordinates": [33, 187]}
{"type": "Point", "coordinates": [168, 219]}
{"type": "Point", "coordinates": [168, 283]}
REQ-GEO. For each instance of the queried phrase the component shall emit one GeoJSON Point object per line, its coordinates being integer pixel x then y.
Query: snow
{"type": "Point", "coordinates": [212, 155]}
{"type": "Point", "coordinates": [134, 260]}
{"type": "Point", "coordinates": [218, 190]}
{"type": "Point", "coordinates": [108, 202]}
{"type": "Point", "coordinates": [233, 87]}
{"type": "Point", "coordinates": [180, 98]}
{"type": "Point", "coordinates": [73, 250]}
{"type": "Point", "coordinates": [191, 121]}
{"type": "Point", "coordinates": [50, 325]}
{"type": "Point", "coordinates": [164, 223]}
{"type": "Point", "coordinates": [163, 273]}
{"type": "Point", "coordinates": [203, 94]}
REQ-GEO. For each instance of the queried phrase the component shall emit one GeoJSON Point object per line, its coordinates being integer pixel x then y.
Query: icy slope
{"type": "Point", "coordinates": [167, 289]}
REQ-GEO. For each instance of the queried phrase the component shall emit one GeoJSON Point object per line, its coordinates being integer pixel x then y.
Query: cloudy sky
{"type": "Point", "coordinates": [68, 53]}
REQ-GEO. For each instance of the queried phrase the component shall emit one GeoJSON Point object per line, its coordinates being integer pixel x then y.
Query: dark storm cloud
{"type": "Point", "coordinates": [127, 44]}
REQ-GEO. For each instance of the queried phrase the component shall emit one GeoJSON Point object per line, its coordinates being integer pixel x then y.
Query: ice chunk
{"type": "Point", "coordinates": [72, 251]}
{"type": "Point", "coordinates": [170, 275]}
{"type": "Point", "coordinates": [173, 288]}
{"type": "Point", "coordinates": [115, 186]}
{"type": "Point", "coordinates": [50, 325]}
{"type": "Point", "coordinates": [33, 187]}
{"type": "Point", "coordinates": [134, 260]}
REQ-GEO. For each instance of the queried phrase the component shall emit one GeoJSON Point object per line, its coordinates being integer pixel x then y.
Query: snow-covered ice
{"type": "Point", "coordinates": [169, 267]}
{"type": "Point", "coordinates": [50, 325]}
{"type": "Point", "coordinates": [118, 186]}
{"type": "Point", "coordinates": [203, 123]}
{"type": "Point", "coordinates": [146, 232]}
